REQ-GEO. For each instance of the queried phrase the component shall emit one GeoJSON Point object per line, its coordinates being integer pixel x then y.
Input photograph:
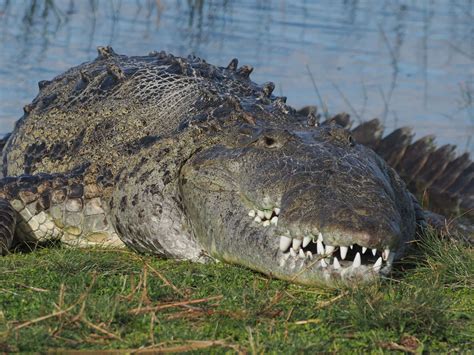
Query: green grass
{"type": "Point", "coordinates": [105, 299]}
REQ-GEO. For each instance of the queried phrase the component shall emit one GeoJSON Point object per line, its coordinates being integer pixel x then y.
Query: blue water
{"type": "Point", "coordinates": [406, 62]}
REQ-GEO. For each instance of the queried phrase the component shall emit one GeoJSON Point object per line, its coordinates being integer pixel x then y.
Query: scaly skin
{"type": "Point", "coordinates": [180, 158]}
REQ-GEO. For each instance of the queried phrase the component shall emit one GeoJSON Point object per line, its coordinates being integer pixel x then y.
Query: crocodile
{"type": "Point", "coordinates": [183, 159]}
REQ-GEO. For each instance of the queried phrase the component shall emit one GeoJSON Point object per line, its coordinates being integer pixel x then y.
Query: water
{"type": "Point", "coordinates": [406, 62]}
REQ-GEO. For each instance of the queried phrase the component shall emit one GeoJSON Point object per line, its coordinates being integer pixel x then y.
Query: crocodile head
{"type": "Point", "coordinates": [306, 205]}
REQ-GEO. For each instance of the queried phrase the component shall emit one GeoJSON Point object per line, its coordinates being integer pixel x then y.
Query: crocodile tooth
{"type": "Point", "coordinates": [274, 220]}
{"type": "Point", "coordinates": [252, 213]}
{"type": "Point", "coordinates": [309, 255]}
{"type": "Point", "coordinates": [386, 254]}
{"type": "Point", "coordinates": [343, 252]}
{"type": "Point", "coordinates": [261, 214]}
{"type": "Point", "coordinates": [285, 243]}
{"type": "Point", "coordinates": [336, 264]}
{"type": "Point", "coordinates": [364, 249]}
{"type": "Point", "coordinates": [266, 223]}
{"type": "Point", "coordinates": [296, 244]}
{"type": "Point", "coordinates": [277, 211]}
{"type": "Point", "coordinates": [323, 263]}
{"type": "Point", "coordinates": [374, 251]}
{"type": "Point", "coordinates": [292, 252]}
{"type": "Point", "coordinates": [351, 246]}
{"type": "Point", "coordinates": [378, 264]}
{"type": "Point", "coordinates": [268, 214]}
{"type": "Point", "coordinates": [357, 261]}
{"type": "Point", "coordinates": [257, 219]}
{"type": "Point", "coordinates": [301, 254]}
{"type": "Point", "coordinates": [320, 247]}
{"type": "Point", "coordinates": [306, 241]}
{"type": "Point", "coordinates": [329, 249]}
{"type": "Point", "coordinates": [320, 237]}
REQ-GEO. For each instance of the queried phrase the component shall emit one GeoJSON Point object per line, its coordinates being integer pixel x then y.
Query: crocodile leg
{"type": "Point", "coordinates": [8, 218]}
{"type": "Point", "coordinates": [71, 208]}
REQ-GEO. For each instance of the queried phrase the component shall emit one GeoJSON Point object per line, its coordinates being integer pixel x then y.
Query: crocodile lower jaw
{"type": "Point", "coordinates": [300, 253]}
{"type": "Point", "coordinates": [335, 257]}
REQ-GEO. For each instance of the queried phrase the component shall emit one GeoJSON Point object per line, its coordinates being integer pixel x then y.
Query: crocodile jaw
{"type": "Point", "coordinates": [334, 260]}
{"type": "Point", "coordinates": [293, 205]}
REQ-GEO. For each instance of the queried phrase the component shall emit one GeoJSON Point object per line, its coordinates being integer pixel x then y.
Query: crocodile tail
{"type": "Point", "coordinates": [442, 180]}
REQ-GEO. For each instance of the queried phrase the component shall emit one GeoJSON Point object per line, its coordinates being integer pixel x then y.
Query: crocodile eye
{"type": "Point", "coordinates": [269, 142]}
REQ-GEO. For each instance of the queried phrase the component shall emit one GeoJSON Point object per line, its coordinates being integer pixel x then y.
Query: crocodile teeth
{"type": "Point", "coordinates": [261, 214]}
{"type": "Point", "coordinates": [301, 254]}
{"type": "Point", "coordinates": [277, 211]}
{"type": "Point", "coordinates": [252, 213]}
{"type": "Point", "coordinates": [268, 214]}
{"type": "Point", "coordinates": [257, 219]}
{"type": "Point", "coordinates": [285, 243]}
{"type": "Point", "coordinates": [294, 247]}
{"type": "Point", "coordinates": [274, 220]}
{"type": "Point", "coordinates": [378, 264]}
{"type": "Point", "coordinates": [296, 244]}
{"type": "Point", "coordinates": [320, 237]}
{"type": "Point", "coordinates": [343, 252]}
{"type": "Point", "coordinates": [320, 247]}
{"type": "Point", "coordinates": [266, 223]}
{"type": "Point", "coordinates": [306, 241]}
{"type": "Point", "coordinates": [357, 261]}
{"type": "Point", "coordinates": [329, 249]}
